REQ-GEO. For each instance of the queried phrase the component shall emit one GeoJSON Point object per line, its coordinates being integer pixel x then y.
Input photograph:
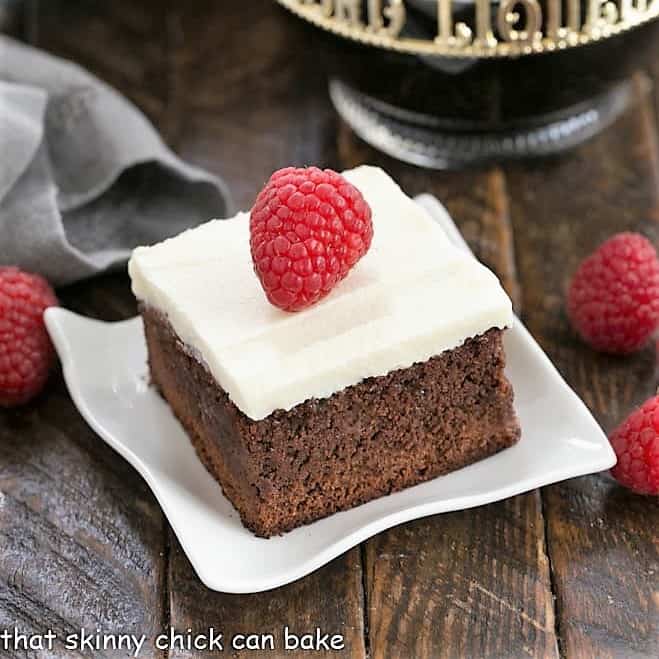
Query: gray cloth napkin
{"type": "Point", "coordinates": [84, 177]}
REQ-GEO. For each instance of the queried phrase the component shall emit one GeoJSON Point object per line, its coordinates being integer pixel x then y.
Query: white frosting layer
{"type": "Point", "coordinates": [412, 296]}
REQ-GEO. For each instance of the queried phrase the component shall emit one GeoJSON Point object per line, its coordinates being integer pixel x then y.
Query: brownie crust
{"type": "Point", "coordinates": [379, 436]}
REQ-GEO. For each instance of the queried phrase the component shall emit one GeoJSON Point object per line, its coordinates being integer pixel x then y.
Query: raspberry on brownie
{"type": "Point", "coordinates": [394, 377]}
{"type": "Point", "coordinates": [308, 227]}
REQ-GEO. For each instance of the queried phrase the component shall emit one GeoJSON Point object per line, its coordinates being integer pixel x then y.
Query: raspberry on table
{"type": "Point", "coordinates": [308, 227]}
{"type": "Point", "coordinates": [613, 299]}
{"type": "Point", "coordinates": [26, 352]}
{"type": "Point", "coordinates": [636, 443]}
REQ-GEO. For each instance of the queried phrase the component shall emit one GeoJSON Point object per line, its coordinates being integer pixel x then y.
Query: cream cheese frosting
{"type": "Point", "coordinates": [411, 297]}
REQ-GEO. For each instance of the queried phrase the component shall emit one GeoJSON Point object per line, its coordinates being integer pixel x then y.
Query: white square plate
{"type": "Point", "coordinates": [105, 369]}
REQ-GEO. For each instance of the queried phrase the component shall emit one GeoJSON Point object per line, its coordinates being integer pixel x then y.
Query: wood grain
{"type": "Point", "coordinates": [231, 87]}
{"type": "Point", "coordinates": [12, 19]}
{"type": "Point", "coordinates": [602, 540]}
{"type": "Point", "coordinates": [330, 598]}
{"type": "Point", "coordinates": [82, 539]}
{"type": "Point", "coordinates": [470, 584]}
{"type": "Point", "coordinates": [80, 532]}
{"type": "Point", "coordinates": [652, 71]}
{"type": "Point", "coordinates": [473, 583]}
{"type": "Point", "coordinates": [252, 101]}
{"type": "Point", "coordinates": [235, 108]}
{"type": "Point", "coordinates": [122, 42]}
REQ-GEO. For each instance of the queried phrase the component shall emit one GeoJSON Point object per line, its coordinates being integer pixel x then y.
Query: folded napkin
{"type": "Point", "coordinates": [84, 177]}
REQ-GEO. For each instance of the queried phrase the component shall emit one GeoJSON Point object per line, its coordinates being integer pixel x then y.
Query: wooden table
{"type": "Point", "coordinates": [569, 570]}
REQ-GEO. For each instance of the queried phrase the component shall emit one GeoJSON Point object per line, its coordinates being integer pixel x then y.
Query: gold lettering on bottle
{"type": "Point", "coordinates": [600, 14]}
{"type": "Point", "coordinates": [348, 11]}
{"type": "Point", "coordinates": [630, 10]}
{"type": "Point", "coordinates": [555, 28]}
{"type": "Point", "coordinates": [574, 15]}
{"type": "Point", "coordinates": [375, 22]}
{"type": "Point", "coordinates": [444, 22]}
{"type": "Point", "coordinates": [533, 25]}
{"type": "Point", "coordinates": [326, 7]}
{"type": "Point", "coordinates": [508, 19]}
{"type": "Point", "coordinates": [448, 35]}
{"type": "Point", "coordinates": [394, 12]}
{"type": "Point", "coordinates": [484, 35]}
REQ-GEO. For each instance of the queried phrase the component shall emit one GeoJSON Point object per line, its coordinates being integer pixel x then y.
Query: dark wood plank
{"type": "Point", "coordinates": [472, 583]}
{"type": "Point", "coordinates": [82, 536]}
{"type": "Point", "coordinates": [226, 85]}
{"type": "Point", "coordinates": [108, 297]}
{"type": "Point", "coordinates": [13, 19]}
{"type": "Point", "coordinates": [602, 540]}
{"type": "Point", "coordinates": [122, 42]}
{"type": "Point", "coordinates": [237, 108]}
{"type": "Point", "coordinates": [330, 598]}
{"type": "Point", "coordinates": [250, 102]}
{"type": "Point", "coordinates": [80, 532]}
{"type": "Point", "coordinates": [651, 69]}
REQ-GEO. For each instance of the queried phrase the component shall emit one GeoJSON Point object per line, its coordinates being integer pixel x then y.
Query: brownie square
{"type": "Point", "coordinates": [378, 436]}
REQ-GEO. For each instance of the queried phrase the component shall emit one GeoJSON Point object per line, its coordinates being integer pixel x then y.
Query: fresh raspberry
{"type": "Point", "coordinates": [613, 299]}
{"type": "Point", "coordinates": [26, 353]}
{"type": "Point", "coordinates": [636, 443]}
{"type": "Point", "coordinates": [308, 227]}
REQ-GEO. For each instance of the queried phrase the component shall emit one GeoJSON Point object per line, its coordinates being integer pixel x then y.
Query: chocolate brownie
{"type": "Point", "coordinates": [378, 436]}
